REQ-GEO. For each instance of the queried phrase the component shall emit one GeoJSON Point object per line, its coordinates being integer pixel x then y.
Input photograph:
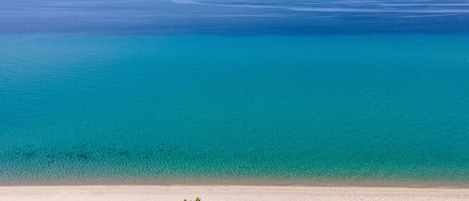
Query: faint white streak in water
{"type": "Point", "coordinates": [423, 16]}
{"type": "Point", "coordinates": [146, 15]}
{"type": "Point", "coordinates": [186, 2]}
{"type": "Point", "coordinates": [244, 15]}
{"type": "Point", "coordinates": [377, 10]}
{"type": "Point", "coordinates": [347, 6]}
{"type": "Point", "coordinates": [422, 4]}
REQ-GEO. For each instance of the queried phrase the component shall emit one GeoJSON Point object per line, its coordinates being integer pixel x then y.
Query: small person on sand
{"type": "Point", "coordinates": [196, 199]}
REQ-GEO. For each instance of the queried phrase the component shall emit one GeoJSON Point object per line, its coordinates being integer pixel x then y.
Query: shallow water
{"type": "Point", "coordinates": [351, 109]}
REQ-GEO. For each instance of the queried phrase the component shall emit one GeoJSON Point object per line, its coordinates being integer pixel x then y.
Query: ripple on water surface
{"type": "Point", "coordinates": [302, 109]}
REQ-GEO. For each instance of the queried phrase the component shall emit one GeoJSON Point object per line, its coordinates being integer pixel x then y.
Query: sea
{"type": "Point", "coordinates": [301, 92]}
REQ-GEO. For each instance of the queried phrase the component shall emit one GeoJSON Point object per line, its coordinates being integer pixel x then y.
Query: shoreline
{"type": "Point", "coordinates": [318, 182]}
{"type": "Point", "coordinates": [225, 192]}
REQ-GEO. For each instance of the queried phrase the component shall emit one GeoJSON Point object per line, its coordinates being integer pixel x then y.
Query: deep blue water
{"type": "Point", "coordinates": [209, 91]}
{"type": "Point", "coordinates": [234, 17]}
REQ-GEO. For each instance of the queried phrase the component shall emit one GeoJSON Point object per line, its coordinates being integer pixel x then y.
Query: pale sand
{"type": "Point", "coordinates": [225, 193]}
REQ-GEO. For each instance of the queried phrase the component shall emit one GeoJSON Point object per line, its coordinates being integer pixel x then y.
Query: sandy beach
{"type": "Point", "coordinates": [225, 193]}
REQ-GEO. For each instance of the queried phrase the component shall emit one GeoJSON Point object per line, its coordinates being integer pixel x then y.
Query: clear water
{"type": "Point", "coordinates": [317, 109]}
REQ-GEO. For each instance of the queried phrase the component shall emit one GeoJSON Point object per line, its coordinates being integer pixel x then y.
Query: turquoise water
{"type": "Point", "coordinates": [303, 109]}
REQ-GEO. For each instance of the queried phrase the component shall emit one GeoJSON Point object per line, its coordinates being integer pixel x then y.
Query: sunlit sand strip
{"type": "Point", "coordinates": [225, 193]}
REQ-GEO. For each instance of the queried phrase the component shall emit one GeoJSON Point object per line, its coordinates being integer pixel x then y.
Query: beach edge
{"type": "Point", "coordinates": [225, 192]}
